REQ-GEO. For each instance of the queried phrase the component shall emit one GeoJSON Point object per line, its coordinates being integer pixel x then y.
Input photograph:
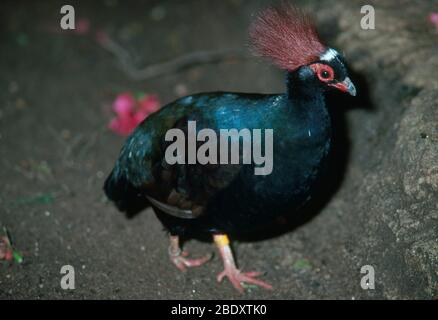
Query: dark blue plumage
{"type": "Point", "coordinates": [230, 198]}
{"type": "Point", "coordinates": [301, 127]}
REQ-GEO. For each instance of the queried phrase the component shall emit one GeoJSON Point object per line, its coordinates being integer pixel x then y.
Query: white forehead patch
{"type": "Point", "coordinates": [329, 54]}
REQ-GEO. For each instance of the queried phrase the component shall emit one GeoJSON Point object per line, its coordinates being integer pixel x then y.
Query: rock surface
{"type": "Point", "coordinates": [395, 180]}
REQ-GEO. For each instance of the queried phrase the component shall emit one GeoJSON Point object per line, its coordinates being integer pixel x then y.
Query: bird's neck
{"type": "Point", "coordinates": [303, 93]}
{"type": "Point", "coordinates": [301, 139]}
{"type": "Point", "coordinates": [306, 100]}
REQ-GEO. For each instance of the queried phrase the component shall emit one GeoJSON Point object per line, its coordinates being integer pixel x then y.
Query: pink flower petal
{"type": "Point", "coordinates": [82, 26]}
{"type": "Point", "coordinates": [149, 103]}
{"type": "Point", "coordinates": [114, 125]}
{"type": "Point", "coordinates": [433, 18]}
{"type": "Point", "coordinates": [9, 255]}
{"type": "Point", "coordinates": [123, 126]}
{"type": "Point", "coordinates": [124, 104]}
{"type": "Point", "coordinates": [5, 249]}
{"type": "Point", "coordinates": [131, 113]}
{"type": "Point", "coordinates": [140, 116]}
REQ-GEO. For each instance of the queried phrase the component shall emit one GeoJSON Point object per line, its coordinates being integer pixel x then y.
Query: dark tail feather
{"type": "Point", "coordinates": [125, 196]}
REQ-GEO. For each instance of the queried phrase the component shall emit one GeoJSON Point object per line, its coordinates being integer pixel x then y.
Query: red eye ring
{"type": "Point", "coordinates": [324, 72]}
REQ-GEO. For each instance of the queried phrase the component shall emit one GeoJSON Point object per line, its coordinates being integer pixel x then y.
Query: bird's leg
{"type": "Point", "coordinates": [179, 257]}
{"type": "Point", "coordinates": [235, 275]}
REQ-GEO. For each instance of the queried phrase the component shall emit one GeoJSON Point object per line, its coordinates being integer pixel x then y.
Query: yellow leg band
{"type": "Point", "coordinates": [221, 240]}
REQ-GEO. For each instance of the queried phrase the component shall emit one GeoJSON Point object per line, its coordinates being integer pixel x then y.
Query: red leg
{"type": "Point", "coordinates": [178, 257]}
{"type": "Point", "coordinates": [235, 276]}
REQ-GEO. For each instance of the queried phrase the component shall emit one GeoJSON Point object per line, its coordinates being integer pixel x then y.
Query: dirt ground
{"type": "Point", "coordinates": [56, 150]}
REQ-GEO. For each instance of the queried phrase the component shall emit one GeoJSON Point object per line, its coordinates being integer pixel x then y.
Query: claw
{"type": "Point", "coordinates": [179, 257]}
{"type": "Point", "coordinates": [237, 277]}
{"type": "Point", "coordinates": [233, 274]}
{"type": "Point", "coordinates": [181, 262]}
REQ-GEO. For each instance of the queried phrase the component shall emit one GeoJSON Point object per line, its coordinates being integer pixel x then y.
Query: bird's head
{"type": "Point", "coordinates": [329, 72]}
{"type": "Point", "coordinates": [287, 36]}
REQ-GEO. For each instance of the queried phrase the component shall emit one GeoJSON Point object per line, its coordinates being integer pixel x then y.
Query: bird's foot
{"type": "Point", "coordinates": [237, 277]}
{"type": "Point", "coordinates": [181, 261]}
{"type": "Point", "coordinates": [179, 257]}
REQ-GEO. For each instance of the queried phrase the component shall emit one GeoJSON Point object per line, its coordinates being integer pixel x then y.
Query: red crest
{"type": "Point", "coordinates": [287, 36]}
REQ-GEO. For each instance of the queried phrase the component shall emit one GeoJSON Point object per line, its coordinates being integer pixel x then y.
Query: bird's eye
{"type": "Point", "coordinates": [325, 74]}
{"type": "Point", "coordinates": [323, 71]}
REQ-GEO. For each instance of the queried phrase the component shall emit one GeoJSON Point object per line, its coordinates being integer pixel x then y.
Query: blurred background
{"type": "Point", "coordinates": [59, 138]}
